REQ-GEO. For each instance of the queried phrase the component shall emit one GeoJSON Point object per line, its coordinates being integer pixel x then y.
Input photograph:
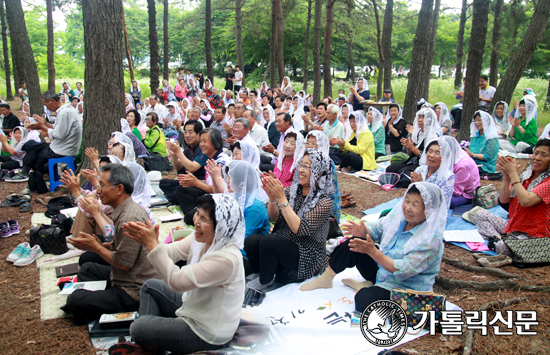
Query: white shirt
{"type": "Point", "coordinates": [66, 134]}
{"type": "Point", "coordinates": [487, 93]}
{"type": "Point", "coordinates": [238, 77]}
{"type": "Point", "coordinates": [159, 109]}
{"type": "Point", "coordinates": [260, 137]}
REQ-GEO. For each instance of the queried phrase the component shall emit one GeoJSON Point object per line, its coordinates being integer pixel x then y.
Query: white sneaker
{"type": "Point", "coordinates": [18, 251]}
{"type": "Point", "coordinates": [29, 255]}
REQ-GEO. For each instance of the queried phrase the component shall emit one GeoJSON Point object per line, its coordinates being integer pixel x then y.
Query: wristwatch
{"type": "Point", "coordinates": [283, 205]}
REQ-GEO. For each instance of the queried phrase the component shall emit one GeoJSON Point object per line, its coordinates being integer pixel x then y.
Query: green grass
{"type": "Point", "coordinates": [440, 90]}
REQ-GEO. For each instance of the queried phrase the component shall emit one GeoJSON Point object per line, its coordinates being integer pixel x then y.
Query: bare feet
{"type": "Point", "coordinates": [356, 285]}
{"type": "Point", "coordinates": [323, 281]}
{"type": "Point", "coordinates": [347, 169]}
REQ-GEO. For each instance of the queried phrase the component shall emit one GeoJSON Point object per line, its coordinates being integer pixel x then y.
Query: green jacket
{"type": "Point", "coordinates": [155, 141]}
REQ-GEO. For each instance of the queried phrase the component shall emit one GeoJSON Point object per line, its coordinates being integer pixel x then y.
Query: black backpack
{"type": "Point", "coordinates": [36, 182]}
{"type": "Point", "coordinates": [57, 204]}
{"type": "Point", "coordinates": [156, 162]}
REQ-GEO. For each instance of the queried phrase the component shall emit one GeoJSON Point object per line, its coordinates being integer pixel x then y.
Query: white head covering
{"type": "Point", "coordinates": [80, 103]}
{"type": "Point", "coordinates": [245, 183]}
{"type": "Point", "coordinates": [24, 138]}
{"type": "Point", "coordinates": [129, 153]}
{"type": "Point", "coordinates": [64, 98]}
{"type": "Point", "coordinates": [250, 153]}
{"type": "Point", "coordinates": [365, 85]}
{"type": "Point", "coordinates": [142, 184]}
{"type": "Point", "coordinates": [345, 121]}
{"type": "Point", "coordinates": [531, 107]}
{"type": "Point", "coordinates": [361, 121]}
{"type": "Point", "coordinates": [504, 114]}
{"type": "Point", "coordinates": [271, 116]}
{"type": "Point", "coordinates": [377, 119]}
{"type": "Point", "coordinates": [545, 132]}
{"type": "Point", "coordinates": [298, 153]}
{"type": "Point", "coordinates": [208, 107]}
{"type": "Point", "coordinates": [264, 87]}
{"type": "Point", "coordinates": [26, 104]}
{"type": "Point", "coordinates": [399, 116]}
{"type": "Point", "coordinates": [132, 85]}
{"type": "Point", "coordinates": [297, 120]}
{"type": "Point", "coordinates": [323, 144]}
{"type": "Point", "coordinates": [124, 126]}
{"type": "Point", "coordinates": [283, 86]}
{"type": "Point", "coordinates": [430, 232]}
{"type": "Point", "coordinates": [230, 227]}
{"type": "Point", "coordinates": [320, 181]}
{"type": "Point", "coordinates": [68, 85]}
{"type": "Point", "coordinates": [457, 153]}
{"type": "Point", "coordinates": [444, 115]}
{"type": "Point", "coordinates": [113, 159]}
{"type": "Point", "coordinates": [447, 159]}
{"type": "Point", "coordinates": [489, 127]}
{"type": "Point", "coordinates": [431, 130]}
{"type": "Point", "coordinates": [527, 173]}
{"type": "Point", "coordinates": [209, 84]}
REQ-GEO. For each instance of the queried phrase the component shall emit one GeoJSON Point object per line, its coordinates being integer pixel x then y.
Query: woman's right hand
{"type": "Point", "coordinates": [92, 154]}
{"type": "Point", "coordinates": [71, 181]}
{"type": "Point", "coordinates": [91, 176]}
{"type": "Point", "coordinates": [356, 229]}
{"type": "Point", "coordinates": [213, 169]}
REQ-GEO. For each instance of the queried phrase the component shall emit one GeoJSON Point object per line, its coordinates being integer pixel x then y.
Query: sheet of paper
{"type": "Point", "coordinates": [90, 286]}
{"type": "Point", "coordinates": [70, 212]}
{"type": "Point", "coordinates": [171, 218]}
{"type": "Point", "coordinates": [371, 217]}
{"type": "Point", "coordinates": [463, 236]}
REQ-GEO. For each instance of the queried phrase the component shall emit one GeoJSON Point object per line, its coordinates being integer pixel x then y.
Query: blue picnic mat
{"type": "Point", "coordinates": [453, 223]}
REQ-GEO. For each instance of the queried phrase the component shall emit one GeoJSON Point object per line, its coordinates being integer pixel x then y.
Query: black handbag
{"type": "Point", "coordinates": [156, 162]}
{"type": "Point", "coordinates": [51, 238]}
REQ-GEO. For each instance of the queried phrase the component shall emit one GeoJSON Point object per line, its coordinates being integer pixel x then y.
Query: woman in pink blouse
{"type": "Point", "coordinates": [181, 90]}
{"type": "Point", "coordinates": [293, 150]}
{"type": "Point", "coordinates": [466, 174]}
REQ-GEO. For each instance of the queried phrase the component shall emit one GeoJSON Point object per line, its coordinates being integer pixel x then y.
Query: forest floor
{"type": "Point", "coordinates": [22, 331]}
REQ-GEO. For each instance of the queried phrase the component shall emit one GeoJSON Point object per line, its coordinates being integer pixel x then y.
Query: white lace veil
{"type": "Point", "coordinates": [504, 114]}
{"type": "Point", "coordinates": [298, 153]}
{"type": "Point", "coordinates": [113, 159]}
{"type": "Point", "coordinates": [531, 107]}
{"type": "Point", "coordinates": [208, 107]}
{"type": "Point", "coordinates": [489, 127]}
{"type": "Point", "coordinates": [320, 181]}
{"type": "Point", "coordinates": [250, 153]}
{"type": "Point", "coordinates": [377, 119]}
{"type": "Point", "coordinates": [24, 138]}
{"type": "Point", "coordinates": [435, 209]}
{"type": "Point", "coordinates": [527, 174]}
{"type": "Point", "coordinates": [297, 120]}
{"type": "Point", "coordinates": [230, 227]}
{"type": "Point", "coordinates": [399, 116]}
{"type": "Point", "coordinates": [271, 116]}
{"type": "Point", "coordinates": [323, 144]}
{"type": "Point", "coordinates": [142, 184]}
{"type": "Point", "coordinates": [361, 121]}
{"type": "Point", "coordinates": [68, 85]}
{"type": "Point", "coordinates": [431, 130]}
{"type": "Point", "coordinates": [245, 183]}
{"type": "Point", "coordinates": [365, 85]}
{"type": "Point", "coordinates": [446, 167]}
{"type": "Point", "coordinates": [125, 126]}
{"type": "Point", "coordinates": [457, 153]}
{"type": "Point", "coordinates": [444, 115]}
{"type": "Point", "coordinates": [283, 86]}
{"type": "Point", "coordinates": [545, 132]}
{"type": "Point", "coordinates": [345, 121]}
{"type": "Point", "coordinates": [129, 153]}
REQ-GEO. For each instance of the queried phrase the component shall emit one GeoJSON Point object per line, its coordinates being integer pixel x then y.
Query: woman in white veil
{"type": "Point", "coordinates": [243, 150]}
{"type": "Point", "coordinates": [142, 184]}
{"type": "Point", "coordinates": [500, 116]}
{"type": "Point", "coordinates": [442, 113]}
{"type": "Point", "coordinates": [410, 240]}
{"type": "Point", "coordinates": [523, 134]}
{"type": "Point", "coordinates": [343, 117]}
{"type": "Point", "coordinates": [375, 119]}
{"type": "Point", "coordinates": [208, 289]}
{"type": "Point", "coordinates": [484, 142]}
{"type": "Point", "coordinates": [288, 159]}
{"type": "Point", "coordinates": [296, 111]}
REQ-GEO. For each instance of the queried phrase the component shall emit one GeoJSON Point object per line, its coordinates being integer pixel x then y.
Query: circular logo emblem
{"type": "Point", "coordinates": [384, 323]}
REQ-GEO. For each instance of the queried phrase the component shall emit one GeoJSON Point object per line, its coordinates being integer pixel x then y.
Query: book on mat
{"type": "Point", "coordinates": [98, 330]}
{"type": "Point", "coordinates": [67, 270]}
{"type": "Point", "coordinates": [171, 218]}
{"type": "Point", "coordinates": [463, 236]}
{"type": "Point", "coordinates": [158, 201]}
{"type": "Point", "coordinates": [118, 317]}
{"type": "Point", "coordinates": [88, 285]}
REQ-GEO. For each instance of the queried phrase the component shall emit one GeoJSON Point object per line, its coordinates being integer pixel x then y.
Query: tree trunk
{"type": "Point", "coordinates": [497, 31]}
{"type": "Point", "coordinates": [17, 75]}
{"type": "Point", "coordinates": [380, 81]}
{"type": "Point", "coordinates": [327, 47]}
{"type": "Point", "coordinates": [9, 92]}
{"type": "Point", "coordinates": [51, 65]}
{"type": "Point", "coordinates": [386, 44]}
{"type": "Point", "coordinates": [280, 41]}
{"type": "Point", "coordinates": [431, 52]}
{"type": "Point", "coordinates": [522, 56]}
{"type": "Point", "coordinates": [127, 42]}
{"type": "Point", "coordinates": [419, 58]}
{"type": "Point", "coordinates": [166, 57]}
{"type": "Point", "coordinates": [153, 47]}
{"type": "Point", "coordinates": [474, 64]}
{"type": "Point", "coordinates": [460, 45]}
{"type": "Point", "coordinates": [306, 51]}
{"type": "Point", "coordinates": [273, 48]}
{"type": "Point", "coordinates": [239, 37]}
{"type": "Point", "coordinates": [208, 41]}
{"type": "Point", "coordinates": [104, 74]}
{"type": "Point", "coordinates": [21, 45]}
{"type": "Point", "coordinates": [317, 52]}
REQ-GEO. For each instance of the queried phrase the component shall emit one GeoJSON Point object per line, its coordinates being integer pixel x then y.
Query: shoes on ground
{"type": "Point", "coordinates": [19, 177]}
{"type": "Point", "coordinates": [29, 256]}
{"type": "Point", "coordinates": [18, 251]}
{"type": "Point", "coordinates": [9, 228]}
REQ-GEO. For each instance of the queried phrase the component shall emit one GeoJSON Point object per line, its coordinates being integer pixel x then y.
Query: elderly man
{"type": "Point", "coordinates": [218, 123]}
{"type": "Point", "coordinates": [316, 117]}
{"type": "Point", "coordinates": [156, 106]}
{"type": "Point", "coordinates": [129, 267]}
{"type": "Point", "coordinates": [60, 139]}
{"type": "Point", "coordinates": [215, 99]}
{"type": "Point", "coordinates": [259, 136]}
{"type": "Point", "coordinates": [154, 140]}
{"type": "Point", "coordinates": [10, 120]}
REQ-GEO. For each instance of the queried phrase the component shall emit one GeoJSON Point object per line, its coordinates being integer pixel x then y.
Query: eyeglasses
{"type": "Point", "coordinates": [303, 166]}
{"type": "Point", "coordinates": [100, 187]}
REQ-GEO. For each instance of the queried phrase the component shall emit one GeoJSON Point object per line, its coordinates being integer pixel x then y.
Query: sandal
{"type": "Point", "coordinates": [14, 201]}
{"type": "Point", "coordinates": [25, 206]}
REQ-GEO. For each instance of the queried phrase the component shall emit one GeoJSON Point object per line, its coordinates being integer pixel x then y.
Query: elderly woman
{"type": "Point", "coordinates": [528, 196]}
{"type": "Point", "coordinates": [14, 160]}
{"type": "Point", "coordinates": [444, 118]}
{"type": "Point", "coordinates": [425, 128]}
{"type": "Point", "coordinates": [244, 150]}
{"type": "Point", "coordinates": [410, 249]}
{"type": "Point", "coordinates": [523, 134]}
{"type": "Point", "coordinates": [466, 174]}
{"type": "Point", "coordinates": [396, 128]}
{"type": "Point", "coordinates": [296, 249]}
{"type": "Point", "coordinates": [206, 112]}
{"type": "Point", "coordinates": [358, 93]}
{"type": "Point", "coordinates": [293, 150]}
{"type": "Point", "coordinates": [484, 143]}
{"type": "Point", "coordinates": [169, 127]}
{"type": "Point", "coordinates": [129, 152]}
{"type": "Point", "coordinates": [286, 87]}
{"type": "Point", "coordinates": [197, 307]}
{"type": "Point", "coordinates": [436, 167]}
{"type": "Point", "coordinates": [358, 150]}
{"type": "Point", "coordinates": [375, 120]}
{"type": "Point", "coordinates": [318, 140]}
{"type": "Point", "coordinates": [343, 117]}
{"type": "Point", "coordinates": [500, 116]}
{"type": "Point", "coordinates": [296, 111]}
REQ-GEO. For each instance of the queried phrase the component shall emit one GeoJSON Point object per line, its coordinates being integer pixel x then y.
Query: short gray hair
{"type": "Point", "coordinates": [333, 108]}
{"type": "Point", "coordinates": [244, 121]}
{"type": "Point", "coordinates": [120, 175]}
{"type": "Point", "coordinates": [50, 94]}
